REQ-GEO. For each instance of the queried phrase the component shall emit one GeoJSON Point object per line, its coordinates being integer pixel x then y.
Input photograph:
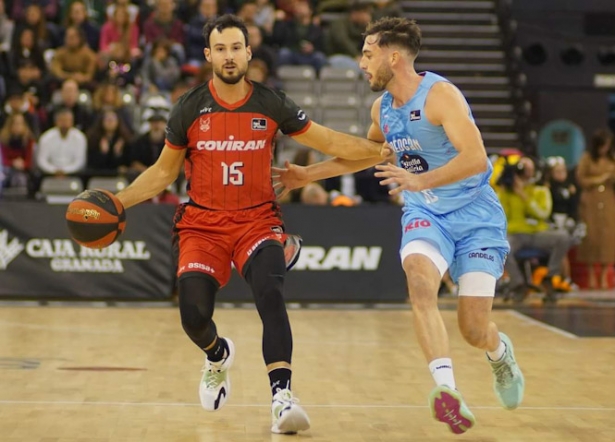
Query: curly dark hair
{"type": "Point", "coordinates": [396, 31]}
{"type": "Point", "coordinates": [224, 22]}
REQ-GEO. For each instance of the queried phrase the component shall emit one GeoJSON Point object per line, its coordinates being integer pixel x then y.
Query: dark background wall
{"type": "Point", "coordinates": [558, 90]}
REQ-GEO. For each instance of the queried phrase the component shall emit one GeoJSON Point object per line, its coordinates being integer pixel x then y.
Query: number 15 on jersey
{"type": "Point", "coordinates": [232, 174]}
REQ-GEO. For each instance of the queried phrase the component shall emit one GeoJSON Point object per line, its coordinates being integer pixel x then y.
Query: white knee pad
{"type": "Point", "coordinates": [421, 247]}
{"type": "Point", "coordinates": [477, 284]}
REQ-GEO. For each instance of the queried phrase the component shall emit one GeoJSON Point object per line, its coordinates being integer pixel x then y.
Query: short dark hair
{"type": "Point", "coordinates": [224, 22]}
{"type": "Point", "coordinates": [396, 31]}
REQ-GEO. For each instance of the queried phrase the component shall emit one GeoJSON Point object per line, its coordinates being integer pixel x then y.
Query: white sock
{"type": "Point", "coordinates": [497, 354]}
{"type": "Point", "coordinates": [442, 372]}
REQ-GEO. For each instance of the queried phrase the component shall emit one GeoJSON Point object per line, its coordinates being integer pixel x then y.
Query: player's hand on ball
{"type": "Point", "coordinates": [396, 175]}
{"type": "Point", "coordinates": [288, 178]}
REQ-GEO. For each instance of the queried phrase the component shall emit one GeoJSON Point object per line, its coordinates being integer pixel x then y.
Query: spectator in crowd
{"type": "Point", "coordinates": [257, 71]}
{"type": "Point", "coordinates": [160, 71]}
{"type": "Point", "coordinates": [187, 10]}
{"type": "Point", "coordinates": [596, 176]}
{"type": "Point", "coordinates": [179, 89]}
{"type": "Point", "coordinates": [62, 150]}
{"type": "Point", "coordinates": [32, 80]}
{"type": "Point", "coordinates": [300, 39]}
{"type": "Point", "coordinates": [108, 145]}
{"type": "Point", "coordinates": [17, 144]}
{"type": "Point", "coordinates": [6, 29]}
{"type": "Point", "coordinates": [386, 8]}
{"type": "Point", "coordinates": [345, 39]}
{"type": "Point", "coordinates": [119, 44]}
{"type": "Point", "coordinates": [260, 50]}
{"type": "Point", "coordinates": [78, 16]}
{"type": "Point", "coordinates": [17, 102]}
{"type": "Point", "coordinates": [146, 149]}
{"type": "Point", "coordinates": [247, 11]}
{"type": "Point", "coordinates": [265, 15]}
{"type": "Point", "coordinates": [75, 60]}
{"type": "Point", "coordinates": [49, 8]}
{"type": "Point", "coordinates": [163, 23]}
{"type": "Point", "coordinates": [133, 10]}
{"type": "Point", "coordinates": [109, 95]}
{"type": "Point", "coordinates": [69, 99]}
{"type": "Point", "coordinates": [528, 207]}
{"type": "Point", "coordinates": [208, 10]}
{"type": "Point", "coordinates": [27, 52]}
{"type": "Point", "coordinates": [46, 34]}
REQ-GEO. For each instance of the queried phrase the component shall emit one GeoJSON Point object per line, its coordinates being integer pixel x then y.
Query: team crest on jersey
{"type": "Point", "coordinates": [259, 124]}
{"type": "Point", "coordinates": [205, 124]}
{"type": "Point", "coordinates": [415, 115]}
{"type": "Point", "coordinates": [386, 129]}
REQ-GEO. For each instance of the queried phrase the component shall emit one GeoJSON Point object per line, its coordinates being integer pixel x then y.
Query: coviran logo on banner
{"type": "Point", "coordinates": [65, 255]}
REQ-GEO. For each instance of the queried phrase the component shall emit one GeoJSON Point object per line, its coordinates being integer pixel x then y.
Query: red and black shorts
{"type": "Point", "coordinates": [209, 241]}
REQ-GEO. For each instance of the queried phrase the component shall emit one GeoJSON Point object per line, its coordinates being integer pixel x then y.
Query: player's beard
{"type": "Point", "coordinates": [228, 78]}
{"type": "Point", "coordinates": [383, 75]}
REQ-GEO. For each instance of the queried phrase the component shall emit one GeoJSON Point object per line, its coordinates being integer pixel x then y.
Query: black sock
{"type": "Point", "coordinates": [219, 350]}
{"type": "Point", "coordinates": [279, 378]}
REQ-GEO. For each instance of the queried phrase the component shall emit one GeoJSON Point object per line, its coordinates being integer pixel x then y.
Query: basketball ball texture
{"type": "Point", "coordinates": [95, 218]}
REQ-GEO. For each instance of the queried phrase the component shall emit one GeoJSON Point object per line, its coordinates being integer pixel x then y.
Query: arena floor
{"type": "Point", "coordinates": [99, 374]}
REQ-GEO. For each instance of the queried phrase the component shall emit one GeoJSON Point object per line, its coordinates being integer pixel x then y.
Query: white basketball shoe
{"type": "Point", "coordinates": [287, 416]}
{"type": "Point", "coordinates": [215, 386]}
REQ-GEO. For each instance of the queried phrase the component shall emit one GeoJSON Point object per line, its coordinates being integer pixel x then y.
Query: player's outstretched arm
{"type": "Point", "coordinates": [155, 178]}
{"type": "Point", "coordinates": [293, 177]}
{"type": "Point", "coordinates": [337, 144]}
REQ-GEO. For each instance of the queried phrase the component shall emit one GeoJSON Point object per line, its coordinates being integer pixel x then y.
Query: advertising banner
{"type": "Point", "coordinates": [350, 254]}
{"type": "Point", "coordinates": [39, 260]}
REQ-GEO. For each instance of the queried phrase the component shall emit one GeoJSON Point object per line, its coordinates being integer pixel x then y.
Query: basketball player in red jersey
{"type": "Point", "coordinates": [223, 131]}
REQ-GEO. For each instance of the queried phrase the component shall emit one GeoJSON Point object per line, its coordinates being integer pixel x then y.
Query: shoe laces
{"type": "Point", "coordinates": [503, 373]}
{"type": "Point", "coordinates": [213, 375]}
{"type": "Point", "coordinates": [286, 397]}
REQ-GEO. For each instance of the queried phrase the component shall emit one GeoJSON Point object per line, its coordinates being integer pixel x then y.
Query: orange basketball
{"type": "Point", "coordinates": [95, 218]}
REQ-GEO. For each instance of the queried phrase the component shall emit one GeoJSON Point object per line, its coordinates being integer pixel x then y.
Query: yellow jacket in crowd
{"type": "Point", "coordinates": [527, 215]}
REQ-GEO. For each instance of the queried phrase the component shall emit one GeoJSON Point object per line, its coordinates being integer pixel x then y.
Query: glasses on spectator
{"type": "Point", "coordinates": [556, 161]}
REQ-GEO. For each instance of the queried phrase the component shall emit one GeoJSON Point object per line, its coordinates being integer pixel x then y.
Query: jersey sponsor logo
{"type": "Point", "coordinates": [414, 163]}
{"type": "Point", "coordinates": [205, 110]}
{"type": "Point", "coordinates": [301, 115]}
{"type": "Point", "coordinates": [415, 115]}
{"type": "Point", "coordinates": [405, 144]}
{"type": "Point", "coordinates": [231, 144]}
{"type": "Point", "coordinates": [339, 258]}
{"type": "Point", "coordinates": [204, 124]}
{"type": "Point", "coordinates": [259, 124]}
{"type": "Point", "coordinates": [417, 224]}
{"type": "Point", "coordinates": [481, 255]}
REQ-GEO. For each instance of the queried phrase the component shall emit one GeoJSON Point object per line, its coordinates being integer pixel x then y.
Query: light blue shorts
{"type": "Point", "coordinates": [470, 239]}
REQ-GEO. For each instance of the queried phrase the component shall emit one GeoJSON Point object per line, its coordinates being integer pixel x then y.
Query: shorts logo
{"type": "Point", "coordinates": [259, 124]}
{"type": "Point", "coordinates": [481, 255]}
{"type": "Point", "coordinates": [204, 124]}
{"type": "Point", "coordinates": [198, 266]}
{"type": "Point", "coordinates": [417, 224]}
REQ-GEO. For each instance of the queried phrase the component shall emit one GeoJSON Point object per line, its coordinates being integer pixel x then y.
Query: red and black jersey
{"type": "Point", "coordinates": [230, 147]}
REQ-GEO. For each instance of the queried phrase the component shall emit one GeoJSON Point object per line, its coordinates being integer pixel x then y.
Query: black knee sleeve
{"type": "Point", "coordinates": [197, 295]}
{"type": "Point", "coordinates": [265, 275]}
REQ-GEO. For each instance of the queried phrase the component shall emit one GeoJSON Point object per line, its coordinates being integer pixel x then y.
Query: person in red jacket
{"type": "Point", "coordinates": [17, 145]}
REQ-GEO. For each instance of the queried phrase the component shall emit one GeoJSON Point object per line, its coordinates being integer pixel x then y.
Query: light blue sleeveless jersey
{"type": "Point", "coordinates": [420, 147]}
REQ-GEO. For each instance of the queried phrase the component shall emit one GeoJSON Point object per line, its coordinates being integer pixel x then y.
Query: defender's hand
{"type": "Point", "coordinates": [288, 178]}
{"type": "Point", "coordinates": [397, 175]}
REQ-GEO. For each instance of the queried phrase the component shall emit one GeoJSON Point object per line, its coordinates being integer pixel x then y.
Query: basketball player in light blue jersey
{"type": "Point", "coordinates": [452, 219]}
